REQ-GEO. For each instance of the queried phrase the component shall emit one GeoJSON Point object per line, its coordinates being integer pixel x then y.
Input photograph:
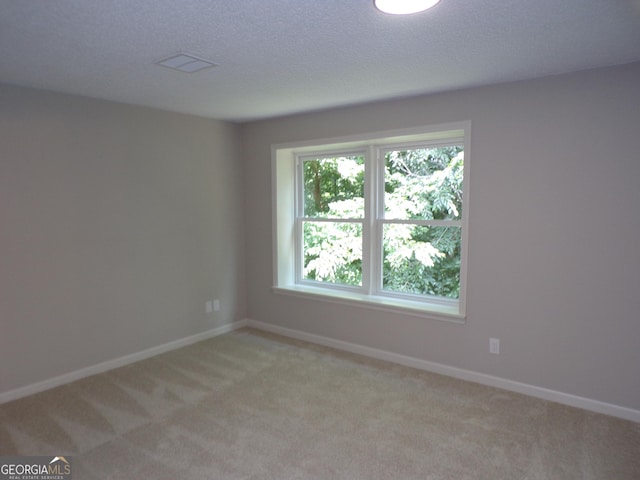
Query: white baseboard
{"type": "Point", "coordinates": [116, 362]}
{"type": "Point", "coordinates": [469, 375]}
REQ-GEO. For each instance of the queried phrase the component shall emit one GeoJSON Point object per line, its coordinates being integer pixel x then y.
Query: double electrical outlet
{"type": "Point", "coordinates": [212, 306]}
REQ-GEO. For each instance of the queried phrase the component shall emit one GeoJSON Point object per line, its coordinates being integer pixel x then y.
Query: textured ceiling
{"type": "Point", "coordinates": [277, 57]}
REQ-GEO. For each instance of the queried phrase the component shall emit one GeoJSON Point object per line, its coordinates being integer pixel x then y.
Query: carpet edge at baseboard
{"type": "Point", "coordinates": [592, 405]}
{"type": "Point", "coordinates": [69, 377]}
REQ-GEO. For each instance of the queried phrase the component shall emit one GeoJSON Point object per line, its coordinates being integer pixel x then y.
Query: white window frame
{"type": "Point", "coordinates": [300, 218]}
{"type": "Point", "coordinates": [287, 202]}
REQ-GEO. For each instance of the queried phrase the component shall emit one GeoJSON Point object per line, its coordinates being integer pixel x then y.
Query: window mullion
{"type": "Point", "coordinates": [298, 216]}
{"type": "Point", "coordinates": [426, 223]}
{"type": "Point", "coordinates": [377, 214]}
{"type": "Point", "coordinates": [368, 238]}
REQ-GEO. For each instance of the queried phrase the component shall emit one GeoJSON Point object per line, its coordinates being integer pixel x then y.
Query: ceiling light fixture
{"type": "Point", "coordinates": [404, 7]}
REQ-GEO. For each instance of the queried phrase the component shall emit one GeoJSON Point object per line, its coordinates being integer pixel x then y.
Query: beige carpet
{"type": "Point", "coordinates": [250, 405]}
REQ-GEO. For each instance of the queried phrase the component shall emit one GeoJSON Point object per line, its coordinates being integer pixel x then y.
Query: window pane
{"type": "Point", "coordinates": [421, 260]}
{"type": "Point", "coordinates": [424, 183]}
{"type": "Point", "coordinates": [334, 187]}
{"type": "Point", "coordinates": [333, 252]}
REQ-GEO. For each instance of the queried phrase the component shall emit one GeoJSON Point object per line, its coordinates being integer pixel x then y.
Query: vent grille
{"type": "Point", "coordinates": [186, 63]}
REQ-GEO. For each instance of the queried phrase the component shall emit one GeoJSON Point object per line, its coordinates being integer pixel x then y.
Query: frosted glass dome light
{"type": "Point", "coordinates": [404, 7]}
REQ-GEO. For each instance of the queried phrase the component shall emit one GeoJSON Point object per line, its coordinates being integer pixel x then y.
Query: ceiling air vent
{"type": "Point", "coordinates": [186, 63]}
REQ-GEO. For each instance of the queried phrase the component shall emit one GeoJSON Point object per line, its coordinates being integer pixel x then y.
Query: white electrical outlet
{"type": "Point", "coordinates": [494, 345]}
{"type": "Point", "coordinates": [216, 305]}
{"type": "Point", "coordinates": [209, 306]}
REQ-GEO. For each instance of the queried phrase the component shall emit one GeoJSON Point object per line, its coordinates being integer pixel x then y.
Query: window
{"type": "Point", "coordinates": [378, 220]}
{"type": "Point", "coordinates": [330, 218]}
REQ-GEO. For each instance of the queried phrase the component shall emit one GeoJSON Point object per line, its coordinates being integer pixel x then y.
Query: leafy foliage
{"type": "Point", "coordinates": [331, 180]}
{"type": "Point", "coordinates": [333, 252]}
{"type": "Point", "coordinates": [423, 184]}
{"type": "Point", "coordinates": [419, 184]}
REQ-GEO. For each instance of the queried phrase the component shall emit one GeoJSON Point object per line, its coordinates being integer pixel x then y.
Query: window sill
{"type": "Point", "coordinates": [433, 311]}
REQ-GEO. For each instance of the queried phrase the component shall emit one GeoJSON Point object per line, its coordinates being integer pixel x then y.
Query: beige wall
{"type": "Point", "coordinates": [117, 223]}
{"type": "Point", "coordinates": [554, 267]}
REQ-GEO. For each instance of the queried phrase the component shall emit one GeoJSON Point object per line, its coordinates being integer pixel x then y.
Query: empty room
{"type": "Point", "coordinates": [320, 240]}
